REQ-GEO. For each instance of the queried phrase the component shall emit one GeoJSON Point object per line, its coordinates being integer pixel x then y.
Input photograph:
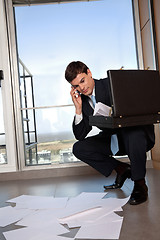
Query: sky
{"type": "Point", "coordinates": [99, 33]}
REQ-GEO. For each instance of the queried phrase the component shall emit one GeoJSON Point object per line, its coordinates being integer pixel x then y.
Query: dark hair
{"type": "Point", "coordinates": [73, 69]}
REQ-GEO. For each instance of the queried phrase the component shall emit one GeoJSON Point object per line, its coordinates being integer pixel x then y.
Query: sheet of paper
{"type": "Point", "coordinates": [112, 217]}
{"type": "Point", "coordinates": [112, 204]}
{"type": "Point", "coordinates": [76, 209]}
{"type": "Point", "coordinates": [33, 234]}
{"type": "Point", "coordinates": [102, 110]}
{"type": "Point", "coordinates": [42, 203]}
{"type": "Point", "coordinates": [108, 230]}
{"type": "Point", "coordinates": [82, 215]}
{"type": "Point", "coordinates": [21, 199]}
{"type": "Point", "coordinates": [114, 201]}
{"type": "Point", "coordinates": [83, 202]}
{"type": "Point", "coordinates": [87, 196]}
{"type": "Point", "coordinates": [10, 215]}
{"type": "Point", "coordinates": [39, 218]}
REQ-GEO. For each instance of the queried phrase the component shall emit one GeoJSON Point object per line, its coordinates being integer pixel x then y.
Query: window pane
{"type": "Point", "coordinates": [54, 135]}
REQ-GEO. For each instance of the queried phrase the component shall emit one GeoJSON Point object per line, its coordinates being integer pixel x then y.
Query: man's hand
{"type": "Point", "coordinates": [76, 98]}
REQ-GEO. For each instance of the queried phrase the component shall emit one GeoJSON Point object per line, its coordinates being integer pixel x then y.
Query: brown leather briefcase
{"type": "Point", "coordinates": [135, 98]}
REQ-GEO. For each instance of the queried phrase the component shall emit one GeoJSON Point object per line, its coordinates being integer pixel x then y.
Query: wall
{"type": "Point", "coordinates": [148, 49]}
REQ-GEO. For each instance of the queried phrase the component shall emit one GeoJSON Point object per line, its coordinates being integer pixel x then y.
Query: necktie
{"type": "Point", "coordinates": [114, 139]}
{"type": "Point", "coordinates": [93, 100]}
{"type": "Point", "coordinates": [114, 144]}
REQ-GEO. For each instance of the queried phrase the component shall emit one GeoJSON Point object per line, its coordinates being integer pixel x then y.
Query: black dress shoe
{"type": "Point", "coordinates": [139, 194]}
{"type": "Point", "coordinates": [120, 179]}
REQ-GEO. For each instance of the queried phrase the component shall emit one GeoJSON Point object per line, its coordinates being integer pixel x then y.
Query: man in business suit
{"type": "Point", "coordinates": [96, 150]}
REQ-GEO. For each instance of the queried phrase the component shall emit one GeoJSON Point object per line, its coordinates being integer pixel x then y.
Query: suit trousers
{"type": "Point", "coordinates": [96, 151]}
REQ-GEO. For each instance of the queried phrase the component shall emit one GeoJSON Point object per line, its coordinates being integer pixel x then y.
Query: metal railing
{"type": "Point", "coordinates": [27, 76]}
{"type": "Point", "coordinates": [31, 146]}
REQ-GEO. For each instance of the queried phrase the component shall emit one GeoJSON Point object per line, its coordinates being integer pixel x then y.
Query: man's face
{"type": "Point", "coordinates": [84, 83]}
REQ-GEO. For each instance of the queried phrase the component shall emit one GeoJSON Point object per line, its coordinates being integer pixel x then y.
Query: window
{"type": "Point", "coordinates": [99, 33]}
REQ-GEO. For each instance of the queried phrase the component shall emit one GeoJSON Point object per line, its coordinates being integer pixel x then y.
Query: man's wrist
{"type": "Point", "coordinates": [78, 111]}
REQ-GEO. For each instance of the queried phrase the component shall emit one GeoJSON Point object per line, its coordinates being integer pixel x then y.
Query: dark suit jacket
{"type": "Point", "coordinates": [102, 95]}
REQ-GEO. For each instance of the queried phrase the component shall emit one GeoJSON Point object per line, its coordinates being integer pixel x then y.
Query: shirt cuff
{"type": "Point", "coordinates": [78, 118]}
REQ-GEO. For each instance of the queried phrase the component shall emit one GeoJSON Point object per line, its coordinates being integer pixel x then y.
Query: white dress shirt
{"type": "Point", "coordinates": [79, 117]}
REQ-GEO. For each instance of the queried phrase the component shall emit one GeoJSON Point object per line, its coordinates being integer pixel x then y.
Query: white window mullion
{"type": "Point", "coordinates": [9, 94]}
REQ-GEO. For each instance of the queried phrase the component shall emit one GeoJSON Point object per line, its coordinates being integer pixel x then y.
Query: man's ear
{"type": "Point", "coordinates": [89, 72]}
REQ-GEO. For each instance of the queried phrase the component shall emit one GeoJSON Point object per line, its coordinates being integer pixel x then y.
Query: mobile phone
{"type": "Point", "coordinates": [77, 93]}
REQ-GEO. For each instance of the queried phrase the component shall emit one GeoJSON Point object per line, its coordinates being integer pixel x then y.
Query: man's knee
{"type": "Point", "coordinates": [76, 149]}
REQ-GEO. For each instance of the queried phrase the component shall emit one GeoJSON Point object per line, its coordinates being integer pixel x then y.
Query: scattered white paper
{"type": "Point", "coordinates": [102, 110]}
{"type": "Point", "coordinates": [41, 217]}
